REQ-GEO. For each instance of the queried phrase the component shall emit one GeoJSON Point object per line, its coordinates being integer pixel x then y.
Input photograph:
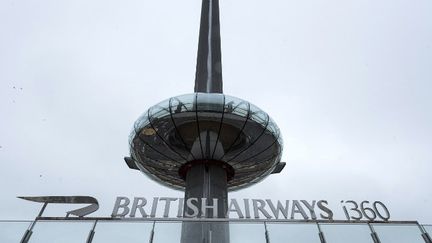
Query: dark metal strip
{"type": "Point", "coordinates": [294, 221]}
{"type": "Point", "coordinates": [220, 127]}
{"type": "Point", "coordinates": [197, 122]}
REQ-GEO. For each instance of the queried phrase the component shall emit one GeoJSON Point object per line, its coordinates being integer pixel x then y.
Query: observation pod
{"type": "Point", "coordinates": [209, 129]}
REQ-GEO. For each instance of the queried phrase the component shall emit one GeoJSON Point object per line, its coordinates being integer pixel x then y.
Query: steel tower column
{"type": "Point", "coordinates": [206, 181]}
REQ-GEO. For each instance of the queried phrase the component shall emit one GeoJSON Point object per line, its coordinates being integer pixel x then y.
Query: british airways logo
{"type": "Point", "coordinates": [162, 207]}
{"type": "Point", "coordinates": [80, 212]}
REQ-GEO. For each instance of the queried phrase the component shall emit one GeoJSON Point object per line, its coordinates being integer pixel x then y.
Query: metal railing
{"type": "Point", "coordinates": [155, 230]}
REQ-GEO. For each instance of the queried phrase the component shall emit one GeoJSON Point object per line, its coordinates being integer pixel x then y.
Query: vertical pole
{"type": "Point", "coordinates": [374, 235]}
{"type": "Point", "coordinates": [321, 234]}
{"type": "Point", "coordinates": [29, 231]}
{"type": "Point", "coordinates": [152, 232]}
{"type": "Point", "coordinates": [26, 236]}
{"type": "Point", "coordinates": [425, 235]}
{"type": "Point", "coordinates": [206, 182]}
{"type": "Point", "coordinates": [92, 232]}
{"type": "Point", "coordinates": [267, 236]}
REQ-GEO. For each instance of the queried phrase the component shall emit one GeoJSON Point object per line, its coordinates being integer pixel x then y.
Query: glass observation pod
{"type": "Point", "coordinates": [184, 130]}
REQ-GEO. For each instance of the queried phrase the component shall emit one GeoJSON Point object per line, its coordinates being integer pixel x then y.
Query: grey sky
{"type": "Point", "coordinates": [347, 82]}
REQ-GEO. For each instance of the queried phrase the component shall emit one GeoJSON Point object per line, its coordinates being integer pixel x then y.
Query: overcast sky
{"type": "Point", "coordinates": [348, 83]}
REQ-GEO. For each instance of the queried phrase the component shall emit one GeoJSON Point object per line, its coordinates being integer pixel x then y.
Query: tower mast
{"type": "Point", "coordinates": [208, 78]}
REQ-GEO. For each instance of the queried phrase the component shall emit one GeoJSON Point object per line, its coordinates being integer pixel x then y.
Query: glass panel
{"type": "Point", "coordinates": [183, 103]}
{"type": "Point", "coordinates": [184, 120]}
{"type": "Point", "coordinates": [158, 135]}
{"type": "Point", "coordinates": [167, 232]}
{"type": "Point", "coordinates": [258, 115]}
{"type": "Point", "coordinates": [398, 233]}
{"type": "Point", "coordinates": [352, 233]}
{"type": "Point", "coordinates": [236, 106]}
{"type": "Point", "coordinates": [247, 232]}
{"type": "Point", "coordinates": [64, 232]}
{"type": "Point", "coordinates": [231, 136]}
{"type": "Point", "coordinates": [132, 136]}
{"type": "Point", "coordinates": [141, 122]}
{"type": "Point", "coordinates": [205, 232]}
{"type": "Point", "coordinates": [160, 110]}
{"type": "Point", "coordinates": [272, 127]}
{"type": "Point", "coordinates": [298, 233]}
{"type": "Point", "coordinates": [264, 149]}
{"type": "Point", "coordinates": [275, 130]}
{"type": "Point", "coordinates": [428, 229]}
{"type": "Point", "coordinates": [129, 232]}
{"type": "Point", "coordinates": [210, 102]}
{"type": "Point", "coordinates": [210, 108]}
{"type": "Point", "coordinates": [12, 231]}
